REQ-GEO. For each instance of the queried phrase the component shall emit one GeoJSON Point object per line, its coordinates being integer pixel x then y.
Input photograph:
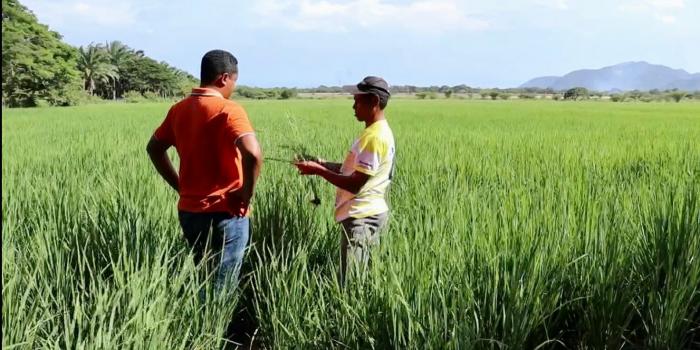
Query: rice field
{"type": "Point", "coordinates": [515, 225]}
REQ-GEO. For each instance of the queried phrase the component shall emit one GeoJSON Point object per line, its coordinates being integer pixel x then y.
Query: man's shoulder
{"type": "Point", "coordinates": [385, 134]}
{"type": "Point", "coordinates": [384, 127]}
{"type": "Point", "coordinates": [374, 142]}
{"type": "Point", "coordinates": [231, 104]}
{"type": "Point", "coordinates": [178, 105]}
{"type": "Point", "coordinates": [233, 108]}
{"type": "Point", "coordinates": [186, 103]}
{"type": "Point", "coordinates": [379, 133]}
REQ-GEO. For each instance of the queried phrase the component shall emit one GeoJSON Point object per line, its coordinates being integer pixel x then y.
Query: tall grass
{"type": "Point", "coordinates": [514, 225]}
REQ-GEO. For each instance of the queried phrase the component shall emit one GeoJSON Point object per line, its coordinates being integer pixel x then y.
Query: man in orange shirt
{"type": "Point", "coordinates": [220, 161]}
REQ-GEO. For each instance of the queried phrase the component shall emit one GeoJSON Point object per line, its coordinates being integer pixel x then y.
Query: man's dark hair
{"type": "Point", "coordinates": [383, 100]}
{"type": "Point", "coordinates": [382, 97]}
{"type": "Point", "coordinates": [215, 63]}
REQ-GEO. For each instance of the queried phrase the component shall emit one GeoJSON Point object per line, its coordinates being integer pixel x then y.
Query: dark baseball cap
{"type": "Point", "coordinates": [372, 85]}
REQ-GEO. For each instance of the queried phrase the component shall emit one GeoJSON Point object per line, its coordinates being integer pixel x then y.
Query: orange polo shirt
{"type": "Point", "coordinates": [204, 128]}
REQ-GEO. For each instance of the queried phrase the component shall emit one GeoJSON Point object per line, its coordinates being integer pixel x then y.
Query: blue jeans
{"type": "Point", "coordinates": [221, 239]}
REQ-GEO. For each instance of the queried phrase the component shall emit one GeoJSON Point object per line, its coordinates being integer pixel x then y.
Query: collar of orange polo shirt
{"type": "Point", "coordinates": [202, 91]}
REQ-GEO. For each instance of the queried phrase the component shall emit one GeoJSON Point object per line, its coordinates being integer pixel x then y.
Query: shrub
{"type": "Point", "coordinates": [677, 96]}
{"type": "Point", "coordinates": [286, 94]}
{"type": "Point", "coordinates": [576, 93]}
{"type": "Point", "coordinates": [152, 96]}
{"type": "Point", "coordinates": [134, 97]}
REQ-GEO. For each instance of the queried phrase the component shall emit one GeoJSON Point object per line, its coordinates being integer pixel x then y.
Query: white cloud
{"type": "Point", "coordinates": [324, 15]}
{"type": "Point", "coordinates": [558, 4]}
{"type": "Point", "coordinates": [663, 11]}
{"type": "Point", "coordinates": [633, 7]}
{"type": "Point", "coordinates": [668, 19]}
{"type": "Point", "coordinates": [653, 6]}
{"type": "Point", "coordinates": [666, 4]}
{"type": "Point", "coordinates": [100, 12]}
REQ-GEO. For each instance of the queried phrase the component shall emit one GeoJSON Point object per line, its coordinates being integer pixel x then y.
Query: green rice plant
{"type": "Point", "coordinates": [518, 224]}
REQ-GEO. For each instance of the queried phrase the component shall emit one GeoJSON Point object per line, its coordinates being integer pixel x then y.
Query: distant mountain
{"type": "Point", "coordinates": [690, 84]}
{"type": "Point", "coordinates": [622, 77]}
{"type": "Point", "coordinates": [541, 82]}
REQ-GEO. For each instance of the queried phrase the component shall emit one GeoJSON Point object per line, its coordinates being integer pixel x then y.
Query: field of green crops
{"type": "Point", "coordinates": [515, 225]}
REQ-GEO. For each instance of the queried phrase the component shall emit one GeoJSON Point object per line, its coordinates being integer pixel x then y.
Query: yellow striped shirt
{"type": "Point", "coordinates": [372, 154]}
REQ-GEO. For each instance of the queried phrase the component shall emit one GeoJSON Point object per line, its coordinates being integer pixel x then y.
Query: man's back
{"type": "Point", "coordinates": [204, 128]}
{"type": "Point", "coordinates": [220, 161]}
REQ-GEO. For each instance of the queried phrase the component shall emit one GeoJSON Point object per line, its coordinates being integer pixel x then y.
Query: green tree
{"type": "Point", "coordinates": [185, 82]}
{"type": "Point", "coordinates": [94, 65]}
{"type": "Point", "coordinates": [36, 64]}
{"type": "Point", "coordinates": [286, 94]}
{"type": "Point", "coordinates": [635, 95]}
{"type": "Point", "coordinates": [118, 54]}
{"type": "Point", "coordinates": [251, 92]}
{"type": "Point", "coordinates": [448, 93]}
{"type": "Point", "coordinates": [145, 74]}
{"type": "Point", "coordinates": [461, 89]}
{"type": "Point", "coordinates": [677, 96]}
{"type": "Point", "coordinates": [576, 93]}
{"type": "Point", "coordinates": [617, 98]}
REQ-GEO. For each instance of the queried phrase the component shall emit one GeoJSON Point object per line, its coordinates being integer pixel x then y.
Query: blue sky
{"type": "Point", "coordinates": [307, 43]}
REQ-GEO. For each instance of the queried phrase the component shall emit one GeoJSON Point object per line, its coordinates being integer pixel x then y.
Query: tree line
{"type": "Point", "coordinates": [576, 93]}
{"type": "Point", "coordinates": [39, 68]}
{"type": "Point", "coordinates": [655, 95]}
{"type": "Point", "coordinates": [573, 94]}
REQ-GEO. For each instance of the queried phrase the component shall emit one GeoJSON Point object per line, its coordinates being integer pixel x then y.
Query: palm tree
{"type": "Point", "coordinates": [94, 65]}
{"type": "Point", "coordinates": [119, 55]}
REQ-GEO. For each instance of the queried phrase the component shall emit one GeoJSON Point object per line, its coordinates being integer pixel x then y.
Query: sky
{"type": "Point", "coordinates": [307, 43]}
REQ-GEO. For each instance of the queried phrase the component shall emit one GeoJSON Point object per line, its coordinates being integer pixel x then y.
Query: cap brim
{"type": "Point", "coordinates": [355, 91]}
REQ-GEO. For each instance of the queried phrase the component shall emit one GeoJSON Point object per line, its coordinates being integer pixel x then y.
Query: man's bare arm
{"type": "Point", "coordinates": [351, 183]}
{"type": "Point", "coordinates": [334, 167]}
{"type": "Point", "coordinates": [157, 151]}
{"type": "Point", "coordinates": [252, 160]}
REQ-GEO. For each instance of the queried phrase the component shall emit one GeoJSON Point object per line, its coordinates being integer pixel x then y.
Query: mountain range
{"type": "Point", "coordinates": [621, 77]}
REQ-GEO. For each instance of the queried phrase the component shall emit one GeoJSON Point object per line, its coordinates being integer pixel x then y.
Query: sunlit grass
{"type": "Point", "coordinates": [514, 225]}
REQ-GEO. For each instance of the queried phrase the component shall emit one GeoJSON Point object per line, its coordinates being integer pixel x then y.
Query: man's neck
{"type": "Point", "coordinates": [377, 117]}
{"type": "Point", "coordinates": [214, 88]}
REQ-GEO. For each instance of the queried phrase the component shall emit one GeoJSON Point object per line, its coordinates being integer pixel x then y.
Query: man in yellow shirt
{"type": "Point", "coordinates": [363, 178]}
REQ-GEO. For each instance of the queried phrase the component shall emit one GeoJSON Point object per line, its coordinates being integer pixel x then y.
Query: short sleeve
{"type": "Point", "coordinates": [369, 151]}
{"type": "Point", "coordinates": [165, 133]}
{"type": "Point", "coordinates": [237, 123]}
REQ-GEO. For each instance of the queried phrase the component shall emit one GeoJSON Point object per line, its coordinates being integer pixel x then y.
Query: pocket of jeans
{"type": "Point", "coordinates": [236, 232]}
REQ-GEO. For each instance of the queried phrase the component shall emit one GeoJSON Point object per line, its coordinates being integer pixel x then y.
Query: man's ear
{"type": "Point", "coordinates": [219, 82]}
{"type": "Point", "coordinates": [376, 101]}
{"type": "Point", "coordinates": [229, 76]}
